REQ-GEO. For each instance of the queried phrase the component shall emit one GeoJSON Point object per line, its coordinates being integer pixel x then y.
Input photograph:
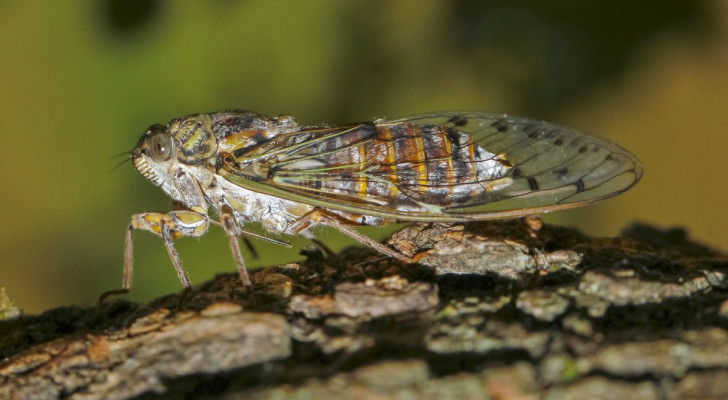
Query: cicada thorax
{"type": "Point", "coordinates": [202, 136]}
{"type": "Point", "coordinates": [195, 137]}
{"type": "Point", "coordinates": [238, 132]}
{"type": "Point", "coordinates": [400, 165]}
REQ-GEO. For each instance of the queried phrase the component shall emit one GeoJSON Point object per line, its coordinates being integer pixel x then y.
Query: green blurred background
{"type": "Point", "coordinates": [81, 80]}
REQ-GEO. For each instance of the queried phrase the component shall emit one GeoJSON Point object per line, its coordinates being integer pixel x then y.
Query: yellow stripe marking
{"type": "Point", "coordinates": [471, 157]}
{"type": "Point", "coordinates": [422, 158]}
{"type": "Point", "coordinates": [362, 163]}
{"type": "Point", "coordinates": [387, 140]}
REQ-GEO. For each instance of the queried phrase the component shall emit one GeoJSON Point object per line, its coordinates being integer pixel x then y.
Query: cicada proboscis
{"type": "Point", "coordinates": [444, 166]}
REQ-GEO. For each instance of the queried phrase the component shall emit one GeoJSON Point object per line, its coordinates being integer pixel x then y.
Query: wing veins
{"type": "Point", "coordinates": [313, 156]}
{"type": "Point", "coordinates": [297, 146]}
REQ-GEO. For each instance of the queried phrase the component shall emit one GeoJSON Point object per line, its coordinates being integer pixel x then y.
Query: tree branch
{"type": "Point", "coordinates": [511, 309]}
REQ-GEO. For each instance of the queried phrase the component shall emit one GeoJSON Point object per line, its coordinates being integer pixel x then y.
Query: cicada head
{"type": "Point", "coordinates": [154, 154]}
{"type": "Point", "coordinates": [188, 140]}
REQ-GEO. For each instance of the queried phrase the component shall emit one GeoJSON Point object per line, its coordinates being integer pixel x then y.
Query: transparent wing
{"type": "Point", "coordinates": [541, 167]}
{"type": "Point", "coordinates": [553, 166]}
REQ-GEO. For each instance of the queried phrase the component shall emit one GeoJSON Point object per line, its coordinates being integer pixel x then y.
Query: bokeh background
{"type": "Point", "coordinates": [81, 80]}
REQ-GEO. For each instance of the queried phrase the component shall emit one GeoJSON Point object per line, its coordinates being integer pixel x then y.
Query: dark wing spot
{"type": "Point", "coordinates": [533, 134]}
{"type": "Point", "coordinates": [562, 171]}
{"type": "Point", "coordinates": [608, 157]}
{"type": "Point", "coordinates": [532, 183]}
{"type": "Point", "coordinates": [504, 162]}
{"type": "Point", "coordinates": [454, 137]}
{"type": "Point", "coordinates": [559, 142]}
{"type": "Point", "coordinates": [516, 172]}
{"type": "Point", "coordinates": [579, 186]}
{"type": "Point", "coordinates": [500, 125]}
{"type": "Point", "coordinates": [458, 120]}
{"type": "Point", "coordinates": [582, 149]}
{"type": "Point", "coordinates": [273, 170]}
{"type": "Point", "coordinates": [259, 138]}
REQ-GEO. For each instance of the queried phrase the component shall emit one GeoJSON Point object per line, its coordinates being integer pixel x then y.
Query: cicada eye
{"type": "Point", "coordinates": [159, 146]}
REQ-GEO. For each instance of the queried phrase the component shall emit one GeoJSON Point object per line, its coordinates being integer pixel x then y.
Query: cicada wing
{"type": "Point", "coordinates": [495, 166]}
{"type": "Point", "coordinates": [551, 166]}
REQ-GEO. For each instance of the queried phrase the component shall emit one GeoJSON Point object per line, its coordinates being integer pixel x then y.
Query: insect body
{"type": "Point", "coordinates": [447, 166]}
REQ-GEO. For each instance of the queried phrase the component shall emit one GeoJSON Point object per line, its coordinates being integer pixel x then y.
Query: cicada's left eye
{"type": "Point", "coordinates": [159, 146]}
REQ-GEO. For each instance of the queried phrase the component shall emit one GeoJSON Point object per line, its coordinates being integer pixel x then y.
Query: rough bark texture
{"type": "Point", "coordinates": [497, 310]}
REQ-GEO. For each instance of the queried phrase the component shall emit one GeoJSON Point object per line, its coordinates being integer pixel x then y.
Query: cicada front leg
{"type": "Point", "coordinates": [168, 226]}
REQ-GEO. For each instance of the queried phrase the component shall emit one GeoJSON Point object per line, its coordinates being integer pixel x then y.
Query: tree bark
{"type": "Point", "coordinates": [492, 310]}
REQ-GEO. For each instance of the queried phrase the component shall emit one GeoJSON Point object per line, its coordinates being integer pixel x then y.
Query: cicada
{"type": "Point", "coordinates": [241, 167]}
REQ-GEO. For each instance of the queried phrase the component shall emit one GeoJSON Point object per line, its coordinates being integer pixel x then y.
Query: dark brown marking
{"type": "Point", "coordinates": [220, 161]}
{"type": "Point", "coordinates": [559, 142]}
{"type": "Point", "coordinates": [532, 183]}
{"type": "Point", "coordinates": [608, 157]}
{"type": "Point", "coordinates": [404, 138]}
{"type": "Point", "coordinates": [582, 149]}
{"type": "Point", "coordinates": [504, 162]}
{"type": "Point", "coordinates": [562, 171]}
{"type": "Point", "coordinates": [460, 162]}
{"type": "Point", "coordinates": [454, 137]}
{"type": "Point", "coordinates": [533, 134]}
{"type": "Point", "coordinates": [273, 170]}
{"type": "Point", "coordinates": [458, 120]}
{"type": "Point", "coordinates": [579, 186]}
{"type": "Point", "coordinates": [516, 172]}
{"type": "Point", "coordinates": [241, 152]}
{"type": "Point", "coordinates": [433, 141]}
{"type": "Point", "coordinates": [500, 125]}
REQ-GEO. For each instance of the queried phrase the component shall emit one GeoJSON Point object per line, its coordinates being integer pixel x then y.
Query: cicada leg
{"type": "Point", "coordinates": [320, 217]}
{"type": "Point", "coordinates": [169, 226]}
{"type": "Point", "coordinates": [233, 231]}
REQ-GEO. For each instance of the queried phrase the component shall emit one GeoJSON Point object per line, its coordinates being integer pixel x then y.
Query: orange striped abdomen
{"type": "Point", "coordinates": [398, 165]}
{"type": "Point", "coordinates": [404, 164]}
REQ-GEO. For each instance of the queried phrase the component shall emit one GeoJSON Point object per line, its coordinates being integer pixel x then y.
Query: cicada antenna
{"type": "Point", "coordinates": [125, 153]}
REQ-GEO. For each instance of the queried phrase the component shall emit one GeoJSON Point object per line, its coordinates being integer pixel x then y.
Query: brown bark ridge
{"type": "Point", "coordinates": [493, 310]}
